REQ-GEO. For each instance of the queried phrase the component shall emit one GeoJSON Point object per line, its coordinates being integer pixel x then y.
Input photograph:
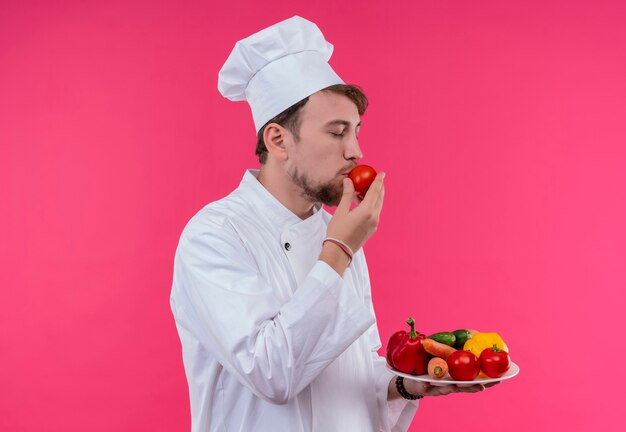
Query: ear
{"type": "Point", "coordinates": [275, 137]}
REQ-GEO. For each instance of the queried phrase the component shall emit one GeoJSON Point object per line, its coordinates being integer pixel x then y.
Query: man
{"type": "Point", "coordinates": [271, 294]}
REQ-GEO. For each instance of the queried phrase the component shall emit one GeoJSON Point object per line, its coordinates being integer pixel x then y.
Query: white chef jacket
{"type": "Point", "coordinates": [273, 338]}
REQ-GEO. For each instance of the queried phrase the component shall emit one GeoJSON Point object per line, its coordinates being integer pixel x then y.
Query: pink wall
{"type": "Point", "coordinates": [501, 127]}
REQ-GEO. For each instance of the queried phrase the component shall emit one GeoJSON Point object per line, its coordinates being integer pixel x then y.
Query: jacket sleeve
{"type": "Point", "coordinates": [274, 349]}
{"type": "Point", "coordinates": [396, 415]}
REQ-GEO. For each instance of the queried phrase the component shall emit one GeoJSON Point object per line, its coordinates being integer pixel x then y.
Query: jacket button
{"type": "Point", "coordinates": [287, 246]}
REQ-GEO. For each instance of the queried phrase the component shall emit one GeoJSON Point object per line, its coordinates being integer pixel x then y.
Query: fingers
{"type": "Point", "coordinates": [375, 188]}
{"type": "Point", "coordinates": [375, 193]}
{"type": "Point", "coordinates": [381, 196]}
{"type": "Point", "coordinates": [470, 389]}
{"type": "Point", "coordinates": [346, 196]}
{"type": "Point", "coordinates": [442, 390]}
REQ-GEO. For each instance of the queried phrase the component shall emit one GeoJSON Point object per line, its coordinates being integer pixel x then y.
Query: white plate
{"type": "Point", "coordinates": [513, 370]}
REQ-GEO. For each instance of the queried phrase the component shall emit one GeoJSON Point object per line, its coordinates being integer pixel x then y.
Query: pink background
{"type": "Point", "coordinates": [500, 124]}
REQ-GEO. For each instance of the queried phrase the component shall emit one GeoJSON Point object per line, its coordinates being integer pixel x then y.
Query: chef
{"type": "Point", "coordinates": [271, 293]}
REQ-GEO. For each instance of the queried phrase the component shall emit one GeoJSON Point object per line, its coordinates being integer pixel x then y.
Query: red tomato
{"type": "Point", "coordinates": [463, 365]}
{"type": "Point", "coordinates": [362, 176]}
{"type": "Point", "coordinates": [494, 362]}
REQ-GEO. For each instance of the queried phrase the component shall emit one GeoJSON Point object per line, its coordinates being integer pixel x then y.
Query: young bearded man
{"type": "Point", "coordinates": [271, 293]}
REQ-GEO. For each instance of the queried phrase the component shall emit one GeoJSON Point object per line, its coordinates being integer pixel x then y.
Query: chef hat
{"type": "Point", "coordinates": [277, 67]}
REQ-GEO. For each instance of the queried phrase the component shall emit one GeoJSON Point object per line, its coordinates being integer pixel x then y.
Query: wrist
{"type": "Point", "coordinates": [335, 257]}
{"type": "Point", "coordinates": [407, 389]}
{"type": "Point", "coordinates": [341, 245]}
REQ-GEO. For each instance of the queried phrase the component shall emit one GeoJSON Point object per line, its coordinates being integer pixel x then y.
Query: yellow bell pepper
{"type": "Point", "coordinates": [482, 341]}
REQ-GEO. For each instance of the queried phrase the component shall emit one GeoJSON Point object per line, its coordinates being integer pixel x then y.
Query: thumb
{"type": "Point", "coordinates": [347, 195]}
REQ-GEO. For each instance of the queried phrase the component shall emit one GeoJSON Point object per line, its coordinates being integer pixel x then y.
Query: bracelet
{"type": "Point", "coordinates": [403, 392]}
{"type": "Point", "coordinates": [344, 247]}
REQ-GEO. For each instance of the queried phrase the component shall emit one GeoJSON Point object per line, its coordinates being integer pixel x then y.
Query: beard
{"type": "Point", "coordinates": [327, 193]}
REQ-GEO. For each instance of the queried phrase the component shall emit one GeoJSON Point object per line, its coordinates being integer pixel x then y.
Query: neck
{"type": "Point", "coordinates": [278, 183]}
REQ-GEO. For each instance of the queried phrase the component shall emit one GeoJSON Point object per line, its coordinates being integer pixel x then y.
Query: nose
{"type": "Point", "coordinates": [352, 150]}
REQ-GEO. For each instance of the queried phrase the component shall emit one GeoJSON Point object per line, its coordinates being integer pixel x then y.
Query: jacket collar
{"type": "Point", "coordinates": [262, 198]}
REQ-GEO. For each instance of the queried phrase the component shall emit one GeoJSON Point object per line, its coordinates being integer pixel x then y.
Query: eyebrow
{"type": "Point", "coordinates": [341, 122]}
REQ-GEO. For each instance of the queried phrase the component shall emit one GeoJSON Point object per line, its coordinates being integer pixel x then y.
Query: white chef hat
{"type": "Point", "coordinates": [277, 67]}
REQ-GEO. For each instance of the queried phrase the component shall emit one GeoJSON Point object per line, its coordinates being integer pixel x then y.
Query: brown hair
{"type": "Point", "coordinates": [290, 118]}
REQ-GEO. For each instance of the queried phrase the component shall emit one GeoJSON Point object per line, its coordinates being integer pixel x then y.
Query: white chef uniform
{"type": "Point", "coordinates": [273, 338]}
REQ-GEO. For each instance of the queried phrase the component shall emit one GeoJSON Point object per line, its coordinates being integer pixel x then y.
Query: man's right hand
{"type": "Point", "coordinates": [353, 226]}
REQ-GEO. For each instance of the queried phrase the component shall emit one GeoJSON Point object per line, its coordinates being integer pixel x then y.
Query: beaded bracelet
{"type": "Point", "coordinates": [403, 392]}
{"type": "Point", "coordinates": [344, 247]}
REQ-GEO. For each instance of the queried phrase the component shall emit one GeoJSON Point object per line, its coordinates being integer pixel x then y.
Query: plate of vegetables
{"type": "Point", "coordinates": [462, 357]}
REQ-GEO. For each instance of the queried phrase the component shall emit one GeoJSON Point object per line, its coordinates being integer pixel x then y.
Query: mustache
{"type": "Point", "coordinates": [348, 168]}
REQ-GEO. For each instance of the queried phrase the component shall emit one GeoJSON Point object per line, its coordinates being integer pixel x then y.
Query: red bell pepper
{"type": "Point", "coordinates": [393, 343]}
{"type": "Point", "coordinates": [406, 353]}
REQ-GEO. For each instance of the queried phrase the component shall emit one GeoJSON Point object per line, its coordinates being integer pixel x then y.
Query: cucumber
{"type": "Point", "coordinates": [446, 338]}
{"type": "Point", "coordinates": [461, 336]}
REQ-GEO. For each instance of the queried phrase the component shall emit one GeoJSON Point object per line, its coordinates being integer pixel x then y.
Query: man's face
{"type": "Point", "coordinates": [327, 149]}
